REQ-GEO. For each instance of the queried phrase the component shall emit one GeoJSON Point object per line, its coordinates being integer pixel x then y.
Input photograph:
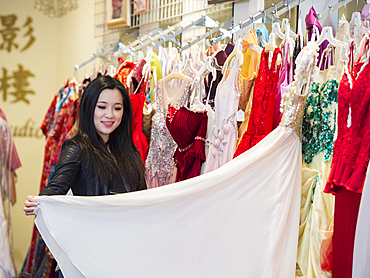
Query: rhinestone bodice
{"type": "Point", "coordinates": [293, 110]}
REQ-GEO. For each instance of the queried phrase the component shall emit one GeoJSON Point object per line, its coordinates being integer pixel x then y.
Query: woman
{"type": "Point", "coordinates": [101, 158]}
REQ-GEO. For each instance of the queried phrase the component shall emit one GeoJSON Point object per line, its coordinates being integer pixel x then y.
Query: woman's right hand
{"type": "Point", "coordinates": [30, 204]}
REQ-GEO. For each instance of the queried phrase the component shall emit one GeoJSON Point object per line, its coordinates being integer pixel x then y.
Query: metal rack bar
{"type": "Point", "coordinates": [227, 24]}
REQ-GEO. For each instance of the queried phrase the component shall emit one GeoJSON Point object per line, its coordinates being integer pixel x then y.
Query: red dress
{"type": "Point", "coordinates": [140, 140]}
{"type": "Point", "coordinates": [350, 160]}
{"type": "Point", "coordinates": [352, 148]}
{"type": "Point", "coordinates": [123, 71]}
{"type": "Point", "coordinates": [188, 129]}
{"type": "Point", "coordinates": [262, 112]}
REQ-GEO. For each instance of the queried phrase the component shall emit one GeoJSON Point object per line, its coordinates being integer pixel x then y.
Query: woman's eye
{"type": "Point", "coordinates": [118, 108]}
{"type": "Point", "coordinates": [101, 107]}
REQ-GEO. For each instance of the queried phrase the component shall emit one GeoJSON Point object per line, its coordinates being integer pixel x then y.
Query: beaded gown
{"type": "Point", "coordinates": [317, 208]}
{"type": "Point", "coordinates": [208, 226]}
{"type": "Point", "coordinates": [160, 165]}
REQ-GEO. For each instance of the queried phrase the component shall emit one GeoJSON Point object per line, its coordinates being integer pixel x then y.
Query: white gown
{"type": "Point", "coordinates": [240, 220]}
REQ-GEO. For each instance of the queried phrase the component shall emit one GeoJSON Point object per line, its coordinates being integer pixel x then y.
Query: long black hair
{"type": "Point", "coordinates": [119, 155]}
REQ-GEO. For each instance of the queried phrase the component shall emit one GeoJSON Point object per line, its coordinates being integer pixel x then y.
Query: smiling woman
{"type": "Point", "coordinates": [101, 159]}
{"type": "Point", "coordinates": [108, 113]}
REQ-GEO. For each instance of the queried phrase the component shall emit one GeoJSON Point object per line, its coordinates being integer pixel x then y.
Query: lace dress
{"type": "Point", "coordinates": [224, 131]}
{"type": "Point", "coordinates": [350, 161]}
{"type": "Point", "coordinates": [208, 226]}
{"type": "Point", "coordinates": [160, 165]}
{"type": "Point", "coordinates": [262, 113]}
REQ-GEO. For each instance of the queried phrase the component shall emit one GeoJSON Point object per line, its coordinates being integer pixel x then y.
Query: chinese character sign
{"type": "Point", "coordinates": [15, 86]}
{"type": "Point", "coordinates": [9, 32]}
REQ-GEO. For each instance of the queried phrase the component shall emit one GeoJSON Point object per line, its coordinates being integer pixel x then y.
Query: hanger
{"type": "Point", "coordinates": [148, 59]}
{"type": "Point", "coordinates": [364, 47]}
{"type": "Point", "coordinates": [355, 21]}
{"type": "Point", "coordinates": [327, 34]}
{"type": "Point", "coordinates": [188, 67]}
{"type": "Point", "coordinates": [299, 31]}
{"type": "Point", "coordinates": [236, 51]}
{"type": "Point", "coordinates": [287, 38]}
{"type": "Point", "coordinates": [275, 28]}
{"type": "Point", "coordinates": [175, 75]}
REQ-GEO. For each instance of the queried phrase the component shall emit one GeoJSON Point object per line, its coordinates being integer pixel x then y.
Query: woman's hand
{"type": "Point", "coordinates": [30, 205]}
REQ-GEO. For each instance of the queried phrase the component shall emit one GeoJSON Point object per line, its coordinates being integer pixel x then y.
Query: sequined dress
{"type": "Point", "coordinates": [317, 208]}
{"type": "Point", "coordinates": [160, 165]}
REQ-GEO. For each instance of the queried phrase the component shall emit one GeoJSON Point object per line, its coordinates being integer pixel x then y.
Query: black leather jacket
{"type": "Point", "coordinates": [68, 174]}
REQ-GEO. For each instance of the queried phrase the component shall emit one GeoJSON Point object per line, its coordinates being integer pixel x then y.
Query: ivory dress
{"type": "Point", "coordinates": [224, 131]}
{"type": "Point", "coordinates": [208, 226]}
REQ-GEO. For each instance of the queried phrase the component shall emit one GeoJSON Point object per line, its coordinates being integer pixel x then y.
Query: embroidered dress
{"type": "Point", "coordinates": [160, 165]}
{"type": "Point", "coordinates": [224, 131]}
{"type": "Point", "coordinates": [123, 71]}
{"type": "Point", "coordinates": [57, 122]}
{"type": "Point", "coordinates": [317, 208]}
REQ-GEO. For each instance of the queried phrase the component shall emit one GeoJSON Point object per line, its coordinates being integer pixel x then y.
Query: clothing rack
{"type": "Point", "coordinates": [95, 56]}
{"type": "Point", "coordinates": [200, 22]}
{"type": "Point", "coordinates": [288, 5]}
{"type": "Point", "coordinates": [226, 25]}
{"type": "Point", "coordinates": [178, 28]}
{"type": "Point", "coordinates": [333, 8]}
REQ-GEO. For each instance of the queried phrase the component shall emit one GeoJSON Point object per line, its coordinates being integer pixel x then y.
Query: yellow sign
{"type": "Point", "coordinates": [10, 31]}
{"type": "Point", "coordinates": [18, 81]}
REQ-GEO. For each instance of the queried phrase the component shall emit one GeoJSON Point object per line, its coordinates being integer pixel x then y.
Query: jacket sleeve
{"type": "Point", "coordinates": [66, 170]}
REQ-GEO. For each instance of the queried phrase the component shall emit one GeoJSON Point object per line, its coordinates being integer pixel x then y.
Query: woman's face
{"type": "Point", "coordinates": [108, 112]}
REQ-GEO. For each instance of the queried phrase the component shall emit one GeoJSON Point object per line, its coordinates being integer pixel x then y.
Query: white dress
{"type": "Point", "coordinates": [224, 130]}
{"type": "Point", "coordinates": [240, 220]}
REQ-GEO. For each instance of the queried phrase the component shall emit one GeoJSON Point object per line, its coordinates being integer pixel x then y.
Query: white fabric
{"type": "Point", "coordinates": [361, 253]}
{"type": "Point", "coordinates": [240, 220]}
{"type": "Point", "coordinates": [6, 264]}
